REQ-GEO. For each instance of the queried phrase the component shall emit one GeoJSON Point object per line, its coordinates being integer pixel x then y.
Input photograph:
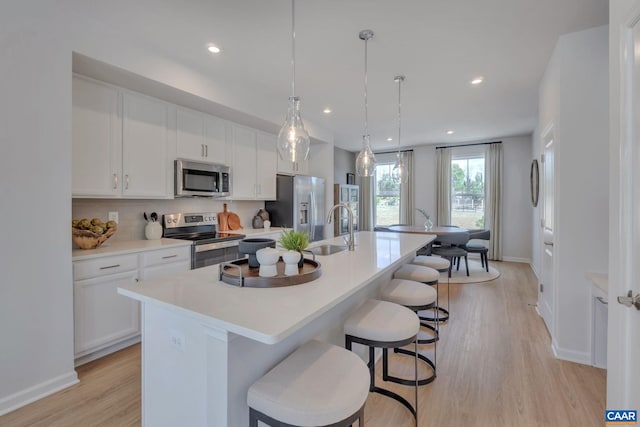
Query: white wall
{"type": "Point", "coordinates": [36, 301]}
{"type": "Point", "coordinates": [517, 210]}
{"type": "Point", "coordinates": [574, 99]}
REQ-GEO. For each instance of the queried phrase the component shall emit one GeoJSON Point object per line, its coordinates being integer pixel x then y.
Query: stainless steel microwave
{"type": "Point", "coordinates": [199, 179]}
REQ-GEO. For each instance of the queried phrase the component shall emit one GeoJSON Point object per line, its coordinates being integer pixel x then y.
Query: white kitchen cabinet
{"type": "Point", "coordinates": [287, 167]}
{"type": "Point", "coordinates": [120, 143]}
{"type": "Point", "coordinates": [105, 321]}
{"type": "Point", "coordinates": [165, 262]}
{"type": "Point", "coordinates": [102, 317]}
{"type": "Point", "coordinates": [96, 139]}
{"type": "Point", "coordinates": [201, 137]}
{"type": "Point", "coordinates": [254, 164]}
{"type": "Point", "coordinates": [145, 147]}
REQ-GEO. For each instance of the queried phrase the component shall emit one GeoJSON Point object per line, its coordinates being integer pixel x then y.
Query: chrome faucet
{"type": "Point", "coordinates": [351, 242]}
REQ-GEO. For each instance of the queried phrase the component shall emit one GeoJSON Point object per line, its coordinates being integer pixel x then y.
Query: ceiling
{"type": "Point", "coordinates": [438, 45]}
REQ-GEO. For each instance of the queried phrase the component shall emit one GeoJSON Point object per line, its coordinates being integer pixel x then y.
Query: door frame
{"type": "Point", "coordinates": [621, 387]}
{"type": "Point", "coordinates": [548, 313]}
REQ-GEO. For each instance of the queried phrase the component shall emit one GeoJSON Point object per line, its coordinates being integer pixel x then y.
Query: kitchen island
{"type": "Point", "coordinates": [205, 342]}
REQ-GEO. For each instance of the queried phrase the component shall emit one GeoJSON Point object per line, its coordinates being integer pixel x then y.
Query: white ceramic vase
{"type": "Point", "coordinates": [291, 259]}
{"type": "Point", "coordinates": [153, 230]}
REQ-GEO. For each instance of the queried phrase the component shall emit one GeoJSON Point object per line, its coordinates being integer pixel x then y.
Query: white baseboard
{"type": "Point", "coordinates": [515, 259]}
{"type": "Point", "coordinates": [36, 392]}
{"type": "Point", "coordinates": [584, 358]}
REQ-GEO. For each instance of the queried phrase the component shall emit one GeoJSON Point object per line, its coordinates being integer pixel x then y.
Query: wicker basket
{"type": "Point", "coordinates": [86, 239]}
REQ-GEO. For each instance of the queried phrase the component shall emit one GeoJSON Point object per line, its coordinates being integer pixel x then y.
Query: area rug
{"type": "Point", "coordinates": [476, 273]}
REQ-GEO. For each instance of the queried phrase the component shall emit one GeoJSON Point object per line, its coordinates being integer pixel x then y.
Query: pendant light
{"type": "Point", "coordinates": [366, 161]}
{"type": "Point", "coordinates": [293, 139]}
{"type": "Point", "coordinates": [399, 173]}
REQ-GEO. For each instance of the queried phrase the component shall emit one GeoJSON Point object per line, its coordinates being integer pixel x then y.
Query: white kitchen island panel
{"type": "Point", "coordinates": [205, 342]}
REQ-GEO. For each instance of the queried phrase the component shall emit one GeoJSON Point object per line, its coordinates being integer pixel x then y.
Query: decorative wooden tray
{"type": "Point", "coordinates": [238, 273]}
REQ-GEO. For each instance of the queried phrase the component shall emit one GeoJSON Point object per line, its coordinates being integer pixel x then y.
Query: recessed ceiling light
{"type": "Point", "coordinates": [389, 139]}
{"type": "Point", "coordinates": [213, 48]}
{"type": "Point", "coordinates": [477, 80]}
{"type": "Point", "coordinates": [450, 132]}
{"type": "Point", "coordinates": [327, 111]}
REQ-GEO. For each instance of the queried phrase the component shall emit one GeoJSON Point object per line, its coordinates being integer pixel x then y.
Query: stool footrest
{"type": "Point", "coordinates": [395, 396]}
{"type": "Point", "coordinates": [436, 335]}
{"type": "Point", "coordinates": [403, 381]}
{"type": "Point", "coordinates": [443, 318]}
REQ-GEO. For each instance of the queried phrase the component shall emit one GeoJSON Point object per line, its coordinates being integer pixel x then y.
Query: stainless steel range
{"type": "Point", "coordinates": [209, 246]}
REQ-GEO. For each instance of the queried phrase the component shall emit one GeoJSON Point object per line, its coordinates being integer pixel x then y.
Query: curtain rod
{"type": "Point", "coordinates": [391, 152]}
{"type": "Point", "coordinates": [468, 145]}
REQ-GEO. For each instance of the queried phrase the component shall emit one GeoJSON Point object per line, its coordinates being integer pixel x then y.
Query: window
{"type": "Point", "coordinates": [387, 199]}
{"type": "Point", "coordinates": [468, 188]}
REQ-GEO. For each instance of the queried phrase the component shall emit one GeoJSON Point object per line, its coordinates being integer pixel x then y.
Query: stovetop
{"type": "Point", "coordinates": [200, 228]}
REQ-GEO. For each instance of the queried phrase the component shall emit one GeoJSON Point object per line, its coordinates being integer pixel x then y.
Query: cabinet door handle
{"type": "Point", "coordinates": [206, 150]}
{"type": "Point", "coordinates": [170, 256]}
{"type": "Point", "coordinates": [202, 150]}
{"type": "Point", "coordinates": [115, 181]}
{"type": "Point", "coordinates": [110, 266]}
{"type": "Point", "coordinates": [126, 182]}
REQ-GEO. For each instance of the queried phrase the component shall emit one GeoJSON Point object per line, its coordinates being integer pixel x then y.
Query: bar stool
{"type": "Point", "coordinates": [439, 264]}
{"type": "Point", "coordinates": [416, 297]}
{"type": "Point", "coordinates": [319, 384]}
{"type": "Point", "coordinates": [383, 324]}
{"type": "Point", "coordinates": [428, 276]}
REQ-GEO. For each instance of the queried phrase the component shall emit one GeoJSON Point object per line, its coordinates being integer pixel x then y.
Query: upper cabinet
{"type": "Point", "coordinates": [201, 137]}
{"type": "Point", "coordinates": [145, 147]}
{"type": "Point", "coordinates": [254, 165]}
{"type": "Point", "coordinates": [96, 139]}
{"type": "Point", "coordinates": [288, 167]}
{"type": "Point", "coordinates": [120, 143]}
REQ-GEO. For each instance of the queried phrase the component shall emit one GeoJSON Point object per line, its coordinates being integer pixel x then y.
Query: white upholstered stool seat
{"type": "Point", "coordinates": [319, 384]}
{"type": "Point", "coordinates": [417, 273]}
{"type": "Point", "coordinates": [408, 293]}
{"type": "Point", "coordinates": [426, 275]}
{"type": "Point", "coordinates": [437, 263]}
{"type": "Point", "coordinates": [382, 321]}
{"type": "Point", "coordinates": [383, 324]}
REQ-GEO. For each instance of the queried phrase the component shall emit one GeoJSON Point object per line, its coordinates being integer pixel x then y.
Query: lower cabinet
{"type": "Point", "coordinates": [105, 321]}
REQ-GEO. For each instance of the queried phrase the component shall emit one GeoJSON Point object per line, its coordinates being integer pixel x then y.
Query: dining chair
{"type": "Point", "coordinates": [452, 247]}
{"type": "Point", "coordinates": [479, 247]}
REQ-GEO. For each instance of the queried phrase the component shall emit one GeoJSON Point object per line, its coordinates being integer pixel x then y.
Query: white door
{"type": "Point", "coordinates": [546, 290]}
{"type": "Point", "coordinates": [623, 358]}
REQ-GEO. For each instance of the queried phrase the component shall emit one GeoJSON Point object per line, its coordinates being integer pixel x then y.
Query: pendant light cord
{"type": "Point", "coordinates": [399, 113]}
{"type": "Point", "coordinates": [366, 113]}
{"type": "Point", "coordinates": [293, 48]}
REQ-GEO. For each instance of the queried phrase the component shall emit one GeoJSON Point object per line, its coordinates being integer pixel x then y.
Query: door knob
{"type": "Point", "coordinates": [630, 300]}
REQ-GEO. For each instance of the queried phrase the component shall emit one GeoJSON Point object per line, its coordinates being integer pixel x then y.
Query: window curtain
{"type": "Point", "coordinates": [406, 191]}
{"type": "Point", "coordinates": [443, 186]}
{"type": "Point", "coordinates": [367, 203]}
{"type": "Point", "coordinates": [493, 212]}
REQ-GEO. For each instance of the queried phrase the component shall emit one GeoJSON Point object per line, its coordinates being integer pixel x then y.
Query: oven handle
{"type": "Point", "coordinates": [239, 281]}
{"type": "Point", "coordinates": [216, 245]}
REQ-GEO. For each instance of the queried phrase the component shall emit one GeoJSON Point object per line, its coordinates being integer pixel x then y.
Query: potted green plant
{"type": "Point", "coordinates": [295, 241]}
{"type": "Point", "coordinates": [428, 224]}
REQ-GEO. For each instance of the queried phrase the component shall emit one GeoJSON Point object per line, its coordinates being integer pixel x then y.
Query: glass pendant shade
{"type": "Point", "coordinates": [293, 139]}
{"type": "Point", "coordinates": [366, 161]}
{"type": "Point", "coordinates": [399, 172]}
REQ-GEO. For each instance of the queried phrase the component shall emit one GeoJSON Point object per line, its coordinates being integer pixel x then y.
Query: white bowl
{"type": "Point", "coordinates": [267, 256]}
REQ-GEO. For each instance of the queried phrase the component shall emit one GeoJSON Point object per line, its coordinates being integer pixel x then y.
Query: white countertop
{"type": "Point", "coordinates": [270, 315]}
{"type": "Point", "coordinates": [125, 247]}
{"type": "Point", "coordinates": [249, 232]}
{"type": "Point", "coordinates": [600, 287]}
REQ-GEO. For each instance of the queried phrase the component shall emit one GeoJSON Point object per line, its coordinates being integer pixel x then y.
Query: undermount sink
{"type": "Point", "coordinates": [327, 249]}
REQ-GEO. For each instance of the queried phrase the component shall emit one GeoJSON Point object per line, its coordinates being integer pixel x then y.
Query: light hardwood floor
{"type": "Point", "coordinates": [495, 368]}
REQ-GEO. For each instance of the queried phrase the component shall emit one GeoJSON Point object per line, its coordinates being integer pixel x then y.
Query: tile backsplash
{"type": "Point", "coordinates": [131, 221]}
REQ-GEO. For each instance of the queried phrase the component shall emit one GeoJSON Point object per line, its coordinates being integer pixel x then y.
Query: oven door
{"type": "Point", "coordinates": [214, 253]}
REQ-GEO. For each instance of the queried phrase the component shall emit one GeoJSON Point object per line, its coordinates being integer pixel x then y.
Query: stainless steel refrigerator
{"type": "Point", "coordinates": [299, 204]}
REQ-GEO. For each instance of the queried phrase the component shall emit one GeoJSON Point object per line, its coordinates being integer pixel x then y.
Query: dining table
{"type": "Point", "coordinates": [419, 229]}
